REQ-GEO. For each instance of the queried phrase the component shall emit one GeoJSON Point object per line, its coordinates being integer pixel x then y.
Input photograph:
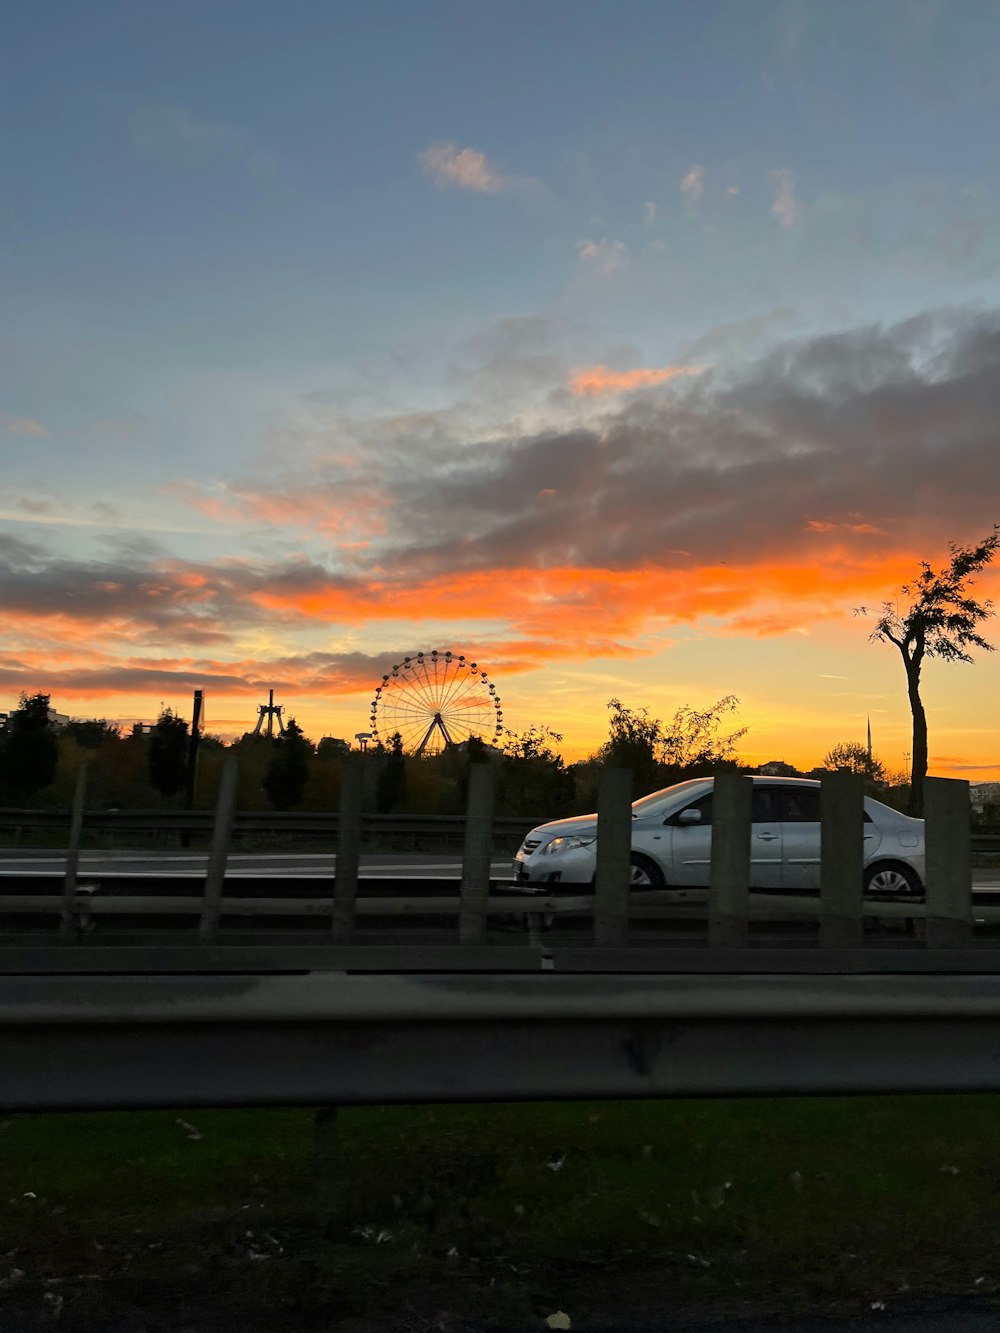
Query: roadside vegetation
{"type": "Point", "coordinates": [151, 770]}
{"type": "Point", "coordinates": [500, 1214]}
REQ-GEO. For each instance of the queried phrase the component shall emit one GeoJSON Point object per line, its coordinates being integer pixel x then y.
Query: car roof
{"type": "Point", "coordinates": [695, 788]}
{"type": "Point", "coordinates": [690, 785]}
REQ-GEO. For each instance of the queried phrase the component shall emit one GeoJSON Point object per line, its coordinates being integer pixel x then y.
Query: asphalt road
{"type": "Point", "coordinates": [374, 865]}
{"type": "Point", "coordinates": [278, 865]}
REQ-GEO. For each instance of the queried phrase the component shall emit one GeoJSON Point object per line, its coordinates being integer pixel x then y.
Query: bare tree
{"type": "Point", "coordinates": [941, 622]}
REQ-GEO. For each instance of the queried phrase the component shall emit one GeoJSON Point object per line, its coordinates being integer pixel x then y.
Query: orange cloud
{"type": "Point", "coordinates": [463, 168]}
{"type": "Point", "coordinates": [594, 381]}
{"type": "Point", "coordinates": [317, 508]}
{"type": "Point", "coordinates": [861, 529]}
{"type": "Point", "coordinates": [597, 611]}
{"type": "Point", "coordinates": [590, 608]}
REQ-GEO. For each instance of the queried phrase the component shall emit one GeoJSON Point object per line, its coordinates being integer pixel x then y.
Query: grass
{"type": "Point", "coordinates": [502, 1212]}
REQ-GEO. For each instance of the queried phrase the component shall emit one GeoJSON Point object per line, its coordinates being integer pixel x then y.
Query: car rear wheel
{"type": "Point", "coordinates": [893, 877]}
{"type": "Point", "coordinates": [646, 874]}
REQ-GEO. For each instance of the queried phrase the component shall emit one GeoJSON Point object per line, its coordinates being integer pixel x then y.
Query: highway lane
{"type": "Point", "coordinates": [25, 862]}
{"type": "Point", "coordinates": [277, 865]}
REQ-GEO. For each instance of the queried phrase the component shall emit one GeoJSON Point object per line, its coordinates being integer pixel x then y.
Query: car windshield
{"type": "Point", "coordinates": [649, 805]}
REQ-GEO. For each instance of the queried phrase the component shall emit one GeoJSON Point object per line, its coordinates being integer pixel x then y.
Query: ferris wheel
{"type": "Point", "coordinates": [434, 700]}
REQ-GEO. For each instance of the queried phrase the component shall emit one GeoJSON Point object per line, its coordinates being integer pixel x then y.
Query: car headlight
{"type": "Point", "coordinates": [558, 845]}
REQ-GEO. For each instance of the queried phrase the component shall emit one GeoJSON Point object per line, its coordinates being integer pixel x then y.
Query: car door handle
{"type": "Point", "coordinates": [768, 837]}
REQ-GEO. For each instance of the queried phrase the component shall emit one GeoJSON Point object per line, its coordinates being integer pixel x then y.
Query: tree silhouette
{"type": "Point", "coordinates": [91, 735]}
{"type": "Point", "coordinates": [940, 622]}
{"type": "Point", "coordinates": [288, 772]}
{"type": "Point", "coordinates": [168, 753]}
{"type": "Point", "coordinates": [657, 751]}
{"type": "Point", "coordinates": [390, 788]}
{"type": "Point", "coordinates": [29, 748]}
{"type": "Point", "coordinates": [854, 756]}
{"type": "Point", "coordinates": [533, 776]}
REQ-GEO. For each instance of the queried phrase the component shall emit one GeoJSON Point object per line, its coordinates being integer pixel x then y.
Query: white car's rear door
{"type": "Point", "coordinates": [800, 837]}
{"type": "Point", "coordinates": [766, 838]}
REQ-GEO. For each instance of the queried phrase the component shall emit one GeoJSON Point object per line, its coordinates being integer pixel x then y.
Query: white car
{"type": "Point", "coordinates": [672, 841]}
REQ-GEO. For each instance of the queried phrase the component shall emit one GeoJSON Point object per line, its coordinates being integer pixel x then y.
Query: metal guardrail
{"type": "Point", "coordinates": [325, 822]}
{"type": "Point", "coordinates": [235, 1040]}
{"type": "Point", "coordinates": [301, 822]}
{"type": "Point", "coordinates": [945, 916]}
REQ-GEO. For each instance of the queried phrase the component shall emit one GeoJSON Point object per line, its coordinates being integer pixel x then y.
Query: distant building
{"type": "Point", "coordinates": [332, 745]}
{"type": "Point", "coordinates": [777, 768]}
{"type": "Point", "coordinates": [487, 749]}
{"type": "Point", "coordinates": [983, 795]}
{"type": "Point", "coordinates": [56, 720]}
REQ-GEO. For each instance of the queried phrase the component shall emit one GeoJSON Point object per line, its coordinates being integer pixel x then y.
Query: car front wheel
{"type": "Point", "coordinates": [646, 874]}
{"type": "Point", "coordinates": [893, 877]}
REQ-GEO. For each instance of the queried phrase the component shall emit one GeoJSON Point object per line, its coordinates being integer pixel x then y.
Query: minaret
{"type": "Point", "coordinates": [869, 740]}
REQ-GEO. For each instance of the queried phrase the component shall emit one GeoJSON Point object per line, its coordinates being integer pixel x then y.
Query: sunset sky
{"type": "Point", "coordinates": [624, 347]}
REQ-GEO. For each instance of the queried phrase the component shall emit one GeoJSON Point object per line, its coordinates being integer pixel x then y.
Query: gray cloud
{"type": "Point", "coordinates": [138, 595]}
{"type": "Point", "coordinates": [131, 586]}
{"type": "Point", "coordinates": [879, 439]}
{"type": "Point", "coordinates": [301, 673]}
{"type": "Point", "coordinates": [524, 354]}
{"type": "Point", "coordinates": [891, 428]}
{"type": "Point", "coordinates": [739, 338]}
{"type": "Point", "coordinates": [889, 432]}
{"type": "Point", "coordinates": [14, 551]}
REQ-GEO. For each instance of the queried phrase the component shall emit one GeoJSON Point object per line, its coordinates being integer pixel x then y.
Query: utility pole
{"type": "Point", "coordinates": [192, 763]}
{"type": "Point", "coordinates": [191, 777]}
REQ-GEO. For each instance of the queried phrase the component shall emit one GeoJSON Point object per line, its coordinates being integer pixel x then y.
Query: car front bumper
{"type": "Point", "coordinates": [576, 867]}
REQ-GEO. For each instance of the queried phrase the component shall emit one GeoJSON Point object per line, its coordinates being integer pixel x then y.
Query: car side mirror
{"type": "Point", "coordinates": [689, 817]}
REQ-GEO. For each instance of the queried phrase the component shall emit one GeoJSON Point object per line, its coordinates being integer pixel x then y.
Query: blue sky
{"type": "Point", "coordinates": [249, 249]}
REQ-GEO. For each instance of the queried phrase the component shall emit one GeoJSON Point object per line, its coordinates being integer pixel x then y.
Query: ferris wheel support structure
{"type": "Point", "coordinates": [438, 724]}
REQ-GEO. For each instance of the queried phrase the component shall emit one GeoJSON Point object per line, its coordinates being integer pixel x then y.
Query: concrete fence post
{"type": "Point", "coordinates": [345, 884]}
{"type": "Point", "coordinates": [67, 922]}
{"type": "Point", "coordinates": [477, 855]}
{"type": "Point", "coordinates": [729, 887]}
{"type": "Point", "coordinates": [613, 881]}
{"type": "Point", "coordinates": [947, 833]}
{"type": "Point", "coordinates": [842, 859]}
{"type": "Point", "coordinates": [222, 836]}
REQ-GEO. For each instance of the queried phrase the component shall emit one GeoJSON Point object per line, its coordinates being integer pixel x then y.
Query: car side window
{"type": "Point", "coordinates": [704, 808]}
{"type": "Point", "coordinates": [765, 807]}
{"type": "Point", "coordinates": [801, 805]}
